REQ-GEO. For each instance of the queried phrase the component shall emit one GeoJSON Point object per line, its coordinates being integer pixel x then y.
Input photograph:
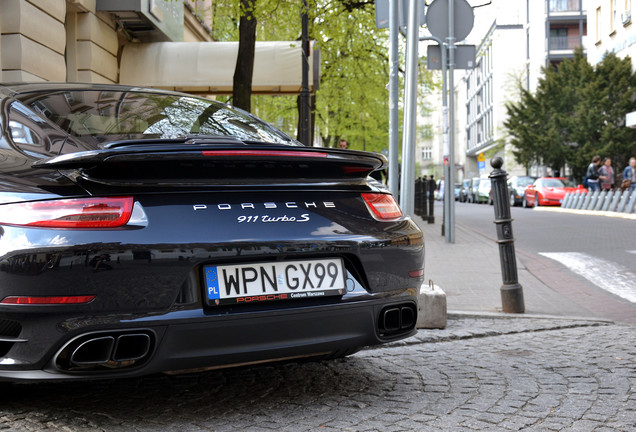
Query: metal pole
{"type": "Point", "coordinates": [444, 65]}
{"type": "Point", "coordinates": [449, 181]}
{"type": "Point", "coordinates": [410, 112]}
{"type": "Point", "coordinates": [511, 291]}
{"type": "Point", "coordinates": [305, 110]}
{"type": "Point", "coordinates": [394, 125]}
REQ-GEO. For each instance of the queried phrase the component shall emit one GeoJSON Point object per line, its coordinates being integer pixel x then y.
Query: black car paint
{"type": "Point", "coordinates": [150, 277]}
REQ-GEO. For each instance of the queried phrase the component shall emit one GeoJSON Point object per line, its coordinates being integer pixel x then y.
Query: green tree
{"type": "Point", "coordinates": [576, 112]}
{"type": "Point", "coordinates": [615, 93]}
{"type": "Point", "coordinates": [352, 101]}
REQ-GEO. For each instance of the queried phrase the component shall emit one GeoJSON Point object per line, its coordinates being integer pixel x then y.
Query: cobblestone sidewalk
{"type": "Point", "coordinates": [481, 373]}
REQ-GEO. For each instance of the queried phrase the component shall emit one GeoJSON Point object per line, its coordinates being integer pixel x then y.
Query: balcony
{"type": "Point", "coordinates": [559, 6]}
{"type": "Point", "coordinates": [565, 43]}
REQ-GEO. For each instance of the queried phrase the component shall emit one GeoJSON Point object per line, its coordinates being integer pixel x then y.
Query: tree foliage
{"type": "Point", "coordinates": [352, 101]}
{"type": "Point", "coordinates": [576, 112]}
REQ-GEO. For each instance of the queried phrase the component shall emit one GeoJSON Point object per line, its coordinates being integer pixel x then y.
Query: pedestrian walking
{"type": "Point", "coordinates": [343, 144]}
{"type": "Point", "coordinates": [629, 174]}
{"type": "Point", "coordinates": [591, 176]}
{"type": "Point", "coordinates": [606, 174]}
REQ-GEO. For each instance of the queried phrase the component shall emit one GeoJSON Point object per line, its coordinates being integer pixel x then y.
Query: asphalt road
{"type": "Point", "coordinates": [537, 231]}
{"type": "Point", "coordinates": [600, 251]}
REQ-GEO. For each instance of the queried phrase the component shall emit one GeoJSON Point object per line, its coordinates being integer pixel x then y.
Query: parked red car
{"type": "Point", "coordinates": [549, 191]}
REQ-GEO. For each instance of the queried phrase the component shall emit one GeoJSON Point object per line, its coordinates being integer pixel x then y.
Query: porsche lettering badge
{"type": "Point", "coordinates": [267, 205]}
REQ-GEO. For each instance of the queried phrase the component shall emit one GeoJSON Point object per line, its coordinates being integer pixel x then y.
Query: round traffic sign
{"type": "Point", "coordinates": [437, 19]}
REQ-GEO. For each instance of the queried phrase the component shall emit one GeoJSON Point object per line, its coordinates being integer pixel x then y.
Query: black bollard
{"type": "Point", "coordinates": [511, 291]}
{"type": "Point", "coordinates": [431, 200]}
{"type": "Point", "coordinates": [419, 198]}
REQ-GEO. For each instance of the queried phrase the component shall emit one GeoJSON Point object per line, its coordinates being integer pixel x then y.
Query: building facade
{"type": "Point", "coordinates": [500, 67]}
{"type": "Point", "coordinates": [614, 31]}
{"type": "Point", "coordinates": [80, 40]}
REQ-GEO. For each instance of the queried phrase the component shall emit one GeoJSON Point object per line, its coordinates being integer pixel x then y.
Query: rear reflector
{"type": "Point", "coordinates": [272, 153]}
{"type": "Point", "coordinates": [70, 213]}
{"type": "Point", "coordinates": [382, 206]}
{"type": "Point", "coordinates": [26, 300]}
{"type": "Point", "coordinates": [416, 273]}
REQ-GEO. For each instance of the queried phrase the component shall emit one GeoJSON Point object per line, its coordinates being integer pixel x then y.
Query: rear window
{"type": "Point", "coordinates": [59, 122]}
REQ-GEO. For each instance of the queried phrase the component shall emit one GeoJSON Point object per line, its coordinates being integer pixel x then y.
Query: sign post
{"type": "Point", "coordinates": [450, 20]}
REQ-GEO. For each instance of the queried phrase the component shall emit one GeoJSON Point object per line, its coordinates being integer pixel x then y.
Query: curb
{"type": "Point", "coordinates": [587, 212]}
{"type": "Point", "coordinates": [456, 314]}
{"type": "Point", "coordinates": [477, 325]}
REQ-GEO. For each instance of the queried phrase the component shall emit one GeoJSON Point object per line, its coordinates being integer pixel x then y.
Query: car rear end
{"type": "Point", "coordinates": [146, 256]}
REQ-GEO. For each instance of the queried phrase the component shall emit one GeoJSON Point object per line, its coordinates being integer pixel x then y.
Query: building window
{"type": "Point", "coordinates": [559, 39]}
{"type": "Point", "coordinates": [427, 153]}
{"type": "Point", "coordinates": [613, 16]}
{"type": "Point", "coordinates": [626, 16]}
{"type": "Point", "coordinates": [564, 5]}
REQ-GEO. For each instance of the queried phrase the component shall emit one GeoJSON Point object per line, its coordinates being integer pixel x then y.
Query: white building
{"type": "Point", "coordinates": [500, 67]}
{"type": "Point", "coordinates": [613, 31]}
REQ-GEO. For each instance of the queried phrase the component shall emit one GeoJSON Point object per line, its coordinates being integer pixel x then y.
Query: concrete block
{"type": "Point", "coordinates": [431, 309]}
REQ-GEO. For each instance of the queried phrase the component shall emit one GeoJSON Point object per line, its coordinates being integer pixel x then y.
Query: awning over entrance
{"type": "Point", "coordinates": [208, 67]}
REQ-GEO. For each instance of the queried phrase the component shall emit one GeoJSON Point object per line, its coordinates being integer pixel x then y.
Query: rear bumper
{"type": "Point", "coordinates": [190, 340]}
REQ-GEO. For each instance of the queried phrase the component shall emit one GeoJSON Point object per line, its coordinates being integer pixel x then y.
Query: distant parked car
{"type": "Point", "coordinates": [517, 188]}
{"type": "Point", "coordinates": [549, 191]}
{"type": "Point", "coordinates": [472, 191]}
{"type": "Point", "coordinates": [483, 191]}
{"type": "Point", "coordinates": [458, 187]}
{"type": "Point", "coordinates": [464, 191]}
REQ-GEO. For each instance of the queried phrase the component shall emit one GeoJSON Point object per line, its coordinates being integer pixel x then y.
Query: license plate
{"type": "Point", "coordinates": [270, 281]}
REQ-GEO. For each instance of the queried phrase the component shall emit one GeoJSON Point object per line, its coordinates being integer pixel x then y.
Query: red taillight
{"type": "Point", "coordinates": [383, 206]}
{"type": "Point", "coordinates": [273, 153]}
{"type": "Point", "coordinates": [70, 213]}
{"type": "Point", "coordinates": [48, 300]}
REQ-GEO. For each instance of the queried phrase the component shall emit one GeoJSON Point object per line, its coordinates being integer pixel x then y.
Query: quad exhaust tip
{"type": "Point", "coordinates": [111, 350]}
{"type": "Point", "coordinates": [397, 319]}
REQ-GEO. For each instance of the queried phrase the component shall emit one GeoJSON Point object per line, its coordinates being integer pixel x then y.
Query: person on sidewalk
{"type": "Point", "coordinates": [630, 174]}
{"type": "Point", "coordinates": [606, 174]}
{"type": "Point", "coordinates": [591, 176]}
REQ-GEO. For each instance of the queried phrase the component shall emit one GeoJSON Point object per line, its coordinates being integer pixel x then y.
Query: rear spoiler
{"type": "Point", "coordinates": [168, 163]}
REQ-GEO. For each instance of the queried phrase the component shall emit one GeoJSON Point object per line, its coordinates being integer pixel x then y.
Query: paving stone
{"type": "Point", "coordinates": [538, 374]}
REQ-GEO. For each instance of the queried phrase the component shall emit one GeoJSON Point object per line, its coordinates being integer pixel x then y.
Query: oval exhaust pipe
{"type": "Point", "coordinates": [93, 351]}
{"type": "Point", "coordinates": [131, 347]}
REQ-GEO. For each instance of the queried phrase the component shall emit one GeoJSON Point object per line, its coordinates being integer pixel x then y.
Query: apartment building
{"type": "Point", "coordinates": [613, 31]}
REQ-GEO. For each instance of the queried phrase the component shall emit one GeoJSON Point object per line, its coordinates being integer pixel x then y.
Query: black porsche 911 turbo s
{"type": "Point", "coordinates": [146, 231]}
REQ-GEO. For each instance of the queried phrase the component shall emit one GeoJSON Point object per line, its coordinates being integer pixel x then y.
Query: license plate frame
{"type": "Point", "coordinates": [259, 282]}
